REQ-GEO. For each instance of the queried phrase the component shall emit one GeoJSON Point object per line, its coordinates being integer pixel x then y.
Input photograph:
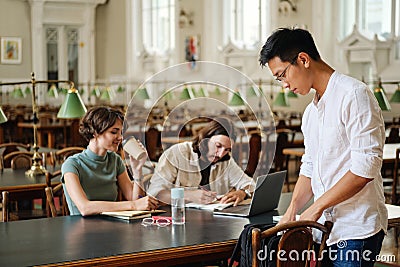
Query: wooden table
{"type": "Point", "coordinates": [23, 186]}
{"type": "Point", "coordinates": [78, 241]}
{"type": "Point", "coordinates": [104, 241]}
{"type": "Point", "coordinates": [49, 129]}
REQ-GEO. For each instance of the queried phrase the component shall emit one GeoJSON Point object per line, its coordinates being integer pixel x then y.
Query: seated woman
{"type": "Point", "coordinates": [92, 178]}
{"type": "Point", "coordinates": [204, 167]}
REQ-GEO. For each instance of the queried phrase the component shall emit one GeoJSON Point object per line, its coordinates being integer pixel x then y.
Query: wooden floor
{"type": "Point", "coordinates": [389, 249]}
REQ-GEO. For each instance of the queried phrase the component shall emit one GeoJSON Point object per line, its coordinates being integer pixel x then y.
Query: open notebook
{"type": "Point", "coordinates": [131, 214]}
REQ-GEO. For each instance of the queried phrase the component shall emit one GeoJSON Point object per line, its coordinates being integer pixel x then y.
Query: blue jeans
{"type": "Point", "coordinates": [355, 252]}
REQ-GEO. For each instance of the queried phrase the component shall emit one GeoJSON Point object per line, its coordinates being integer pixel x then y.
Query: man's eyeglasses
{"type": "Point", "coordinates": [282, 77]}
{"type": "Point", "coordinates": [156, 220]}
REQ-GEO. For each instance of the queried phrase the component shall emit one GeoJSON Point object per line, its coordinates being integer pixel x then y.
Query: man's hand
{"type": "Point", "coordinates": [235, 196]}
{"type": "Point", "coordinates": [200, 196]}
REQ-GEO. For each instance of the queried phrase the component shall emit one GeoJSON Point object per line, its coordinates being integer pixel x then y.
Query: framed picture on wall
{"type": "Point", "coordinates": [11, 50]}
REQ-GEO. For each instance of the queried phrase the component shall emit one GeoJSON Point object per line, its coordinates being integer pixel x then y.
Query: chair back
{"type": "Point", "coordinates": [396, 170]}
{"type": "Point", "coordinates": [54, 192]}
{"type": "Point", "coordinates": [4, 209]}
{"type": "Point", "coordinates": [19, 159]}
{"type": "Point", "coordinates": [297, 237]}
{"type": "Point", "coordinates": [8, 148]}
{"type": "Point", "coordinates": [10, 211]}
{"type": "Point", "coordinates": [59, 156]}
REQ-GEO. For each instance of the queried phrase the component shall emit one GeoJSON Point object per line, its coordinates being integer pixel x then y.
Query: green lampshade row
{"type": "Point", "coordinates": [3, 117]}
{"type": "Point", "coordinates": [382, 99]}
{"type": "Point", "coordinates": [252, 92]}
{"type": "Point", "coordinates": [142, 94]}
{"type": "Point", "coordinates": [95, 92]}
{"type": "Point", "coordinates": [28, 90]}
{"type": "Point", "coordinates": [73, 106]}
{"type": "Point", "coordinates": [108, 94]}
{"type": "Point", "coordinates": [168, 95]}
{"type": "Point", "coordinates": [202, 92]}
{"type": "Point", "coordinates": [396, 97]}
{"type": "Point", "coordinates": [53, 92]}
{"type": "Point", "coordinates": [217, 91]}
{"type": "Point", "coordinates": [186, 94]}
{"type": "Point", "coordinates": [236, 100]}
{"type": "Point", "coordinates": [281, 99]}
{"type": "Point", "coordinates": [120, 89]}
{"type": "Point", "coordinates": [17, 93]}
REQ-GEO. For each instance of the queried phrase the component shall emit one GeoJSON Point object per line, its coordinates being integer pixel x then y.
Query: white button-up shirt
{"type": "Point", "coordinates": [179, 166]}
{"type": "Point", "coordinates": [343, 131]}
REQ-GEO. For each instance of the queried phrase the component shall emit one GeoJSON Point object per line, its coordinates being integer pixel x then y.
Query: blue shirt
{"type": "Point", "coordinates": [97, 175]}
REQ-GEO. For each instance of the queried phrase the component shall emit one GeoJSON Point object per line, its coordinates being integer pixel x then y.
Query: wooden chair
{"type": "Point", "coordinates": [55, 191]}
{"type": "Point", "coordinates": [297, 237]}
{"type": "Point", "coordinates": [59, 156]}
{"type": "Point", "coordinates": [8, 148]}
{"type": "Point", "coordinates": [8, 214]}
{"type": "Point", "coordinates": [19, 159]}
{"type": "Point", "coordinates": [153, 143]}
{"type": "Point", "coordinates": [390, 185]}
{"type": "Point", "coordinates": [4, 209]}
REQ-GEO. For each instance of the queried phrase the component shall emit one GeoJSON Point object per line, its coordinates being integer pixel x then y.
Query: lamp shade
{"type": "Point", "coordinates": [73, 106]}
{"type": "Point", "coordinates": [202, 92]}
{"type": "Point", "coordinates": [142, 93]}
{"type": "Point", "coordinates": [396, 96]}
{"type": "Point", "coordinates": [17, 93]}
{"type": "Point", "coordinates": [53, 92]}
{"type": "Point", "coordinates": [186, 94]}
{"type": "Point", "coordinates": [168, 95]}
{"type": "Point", "coordinates": [3, 117]}
{"type": "Point", "coordinates": [107, 94]}
{"type": "Point", "coordinates": [281, 99]}
{"type": "Point", "coordinates": [382, 99]}
{"type": "Point", "coordinates": [291, 94]}
{"type": "Point", "coordinates": [28, 90]}
{"type": "Point", "coordinates": [95, 91]}
{"type": "Point", "coordinates": [217, 91]}
{"type": "Point", "coordinates": [252, 92]}
{"type": "Point", "coordinates": [236, 100]}
{"type": "Point", "coordinates": [120, 89]}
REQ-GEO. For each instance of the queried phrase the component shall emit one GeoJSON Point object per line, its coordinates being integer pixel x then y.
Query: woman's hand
{"type": "Point", "coordinates": [235, 196]}
{"type": "Point", "coordinates": [146, 203]}
{"type": "Point", "coordinates": [137, 165]}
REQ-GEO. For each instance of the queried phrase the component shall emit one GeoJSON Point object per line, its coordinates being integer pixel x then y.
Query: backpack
{"type": "Point", "coordinates": [242, 253]}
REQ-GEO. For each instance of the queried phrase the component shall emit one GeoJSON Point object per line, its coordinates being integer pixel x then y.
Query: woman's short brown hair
{"type": "Point", "coordinates": [97, 120]}
{"type": "Point", "coordinates": [218, 126]}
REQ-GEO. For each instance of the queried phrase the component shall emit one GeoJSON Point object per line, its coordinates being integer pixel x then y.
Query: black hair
{"type": "Point", "coordinates": [286, 43]}
{"type": "Point", "coordinates": [218, 126]}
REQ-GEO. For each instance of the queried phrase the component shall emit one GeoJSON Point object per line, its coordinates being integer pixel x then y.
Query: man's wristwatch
{"type": "Point", "coordinates": [248, 193]}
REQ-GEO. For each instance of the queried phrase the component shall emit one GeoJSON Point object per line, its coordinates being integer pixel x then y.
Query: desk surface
{"type": "Point", "coordinates": [79, 241]}
{"type": "Point", "coordinates": [16, 180]}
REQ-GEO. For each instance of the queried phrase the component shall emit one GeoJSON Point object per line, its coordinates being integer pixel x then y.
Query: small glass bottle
{"type": "Point", "coordinates": [178, 206]}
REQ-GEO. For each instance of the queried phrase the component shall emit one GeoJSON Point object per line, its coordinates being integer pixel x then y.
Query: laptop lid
{"type": "Point", "coordinates": [265, 197]}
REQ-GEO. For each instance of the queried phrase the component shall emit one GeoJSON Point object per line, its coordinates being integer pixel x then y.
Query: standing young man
{"type": "Point", "coordinates": [344, 136]}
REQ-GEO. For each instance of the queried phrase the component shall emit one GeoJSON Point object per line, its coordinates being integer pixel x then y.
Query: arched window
{"type": "Point", "coordinates": [247, 21]}
{"type": "Point", "coordinates": [158, 25]}
{"type": "Point", "coordinates": [380, 17]}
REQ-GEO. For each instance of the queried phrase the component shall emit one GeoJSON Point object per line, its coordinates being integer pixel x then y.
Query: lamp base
{"type": "Point", "coordinates": [36, 171]}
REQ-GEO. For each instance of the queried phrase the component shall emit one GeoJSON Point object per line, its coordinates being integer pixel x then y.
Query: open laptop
{"type": "Point", "coordinates": [265, 197]}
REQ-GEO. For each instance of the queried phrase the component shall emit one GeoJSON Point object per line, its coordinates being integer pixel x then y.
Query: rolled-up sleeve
{"type": "Point", "coordinates": [364, 126]}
